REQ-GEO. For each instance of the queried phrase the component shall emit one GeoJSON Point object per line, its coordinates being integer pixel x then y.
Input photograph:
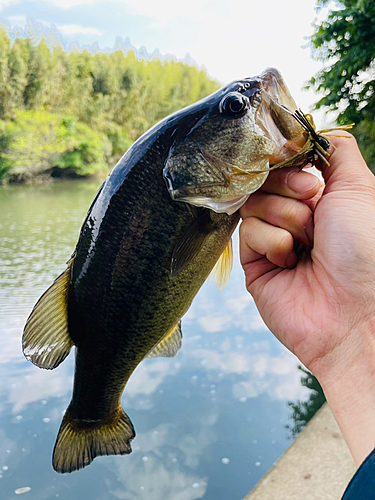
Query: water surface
{"type": "Point", "coordinates": [210, 422]}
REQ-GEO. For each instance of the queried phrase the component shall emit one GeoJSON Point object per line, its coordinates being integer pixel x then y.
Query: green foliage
{"type": "Point", "coordinates": [364, 132]}
{"type": "Point", "coordinates": [113, 97]}
{"type": "Point", "coordinates": [86, 150]}
{"type": "Point", "coordinates": [38, 142]}
{"type": "Point", "coordinates": [5, 147]}
{"type": "Point", "coordinates": [346, 42]}
{"type": "Point", "coordinates": [118, 138]}
{"type": "Point", "coordinates": [303, 411]}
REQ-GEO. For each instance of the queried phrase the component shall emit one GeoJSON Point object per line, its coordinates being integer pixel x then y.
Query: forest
{"type": "Point", "coordinates": [75, 112]}
{"type": "Point", "coordinates": [345, 44]}
{"type": "Point", "coordinates": [71, 112]}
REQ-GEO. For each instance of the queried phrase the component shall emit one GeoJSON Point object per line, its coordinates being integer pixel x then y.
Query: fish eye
{"type": "Point", "coordinates": [234, 105]}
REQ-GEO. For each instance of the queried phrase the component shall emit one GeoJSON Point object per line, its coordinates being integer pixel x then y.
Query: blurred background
{"type": "Point", "coordinates": [80, 81]}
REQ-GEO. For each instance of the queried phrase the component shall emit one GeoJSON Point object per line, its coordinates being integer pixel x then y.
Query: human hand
{"type": "Point", "coordinates": [320, 305]}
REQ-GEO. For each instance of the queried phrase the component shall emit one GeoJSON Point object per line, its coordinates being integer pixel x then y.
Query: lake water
{"type": "Point", "coordinates": [210, 422]}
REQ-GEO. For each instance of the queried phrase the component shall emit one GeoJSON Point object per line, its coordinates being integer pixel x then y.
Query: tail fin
{"type": "Point", "coordinates": [80, 441]}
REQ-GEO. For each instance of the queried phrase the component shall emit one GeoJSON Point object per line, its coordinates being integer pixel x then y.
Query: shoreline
{"type": "Point", "coordinates": [317, 465]}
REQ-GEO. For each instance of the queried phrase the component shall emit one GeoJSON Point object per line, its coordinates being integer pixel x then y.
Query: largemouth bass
{"type": "Point", "coordinates": [158, 226]}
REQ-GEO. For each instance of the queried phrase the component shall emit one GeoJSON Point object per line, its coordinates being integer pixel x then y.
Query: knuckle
{"type": "Point", "coordinates": [295, 211]}
{"type": "Point", "coordinates": [285, 243]}
{"type": "Point", "coordinates": [246, 227]}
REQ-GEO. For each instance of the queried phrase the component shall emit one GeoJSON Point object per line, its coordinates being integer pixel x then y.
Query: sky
{"type": "Point", "coordinates": [230, 39]}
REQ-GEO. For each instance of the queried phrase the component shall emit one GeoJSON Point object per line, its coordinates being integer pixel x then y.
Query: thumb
{"type": "Point", "coordinates": [348, 170]}
{"type": "Point", "coordinates": [345, 213]}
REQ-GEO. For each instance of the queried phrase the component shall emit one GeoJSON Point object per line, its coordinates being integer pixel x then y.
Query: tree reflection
{"type": "Point", "coordinates": [303, 411]}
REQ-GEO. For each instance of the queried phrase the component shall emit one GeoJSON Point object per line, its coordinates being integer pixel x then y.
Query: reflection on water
{"type": "Point", "coordinates": [303, 411]}
{"type": "Point", "coordinates": [210, 422]}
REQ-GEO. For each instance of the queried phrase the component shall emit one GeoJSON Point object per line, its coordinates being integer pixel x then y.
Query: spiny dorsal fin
{"type": "Point", "coordinates": [46, 340]}
{"type": "Point", "coordinates": [169, 345]}
{"type": "Point", "coordinates": [221, 272]}
{"type": "Point", "coordinates": [80, 441]}
{"type": "Point", "coordinates": [191, 243]}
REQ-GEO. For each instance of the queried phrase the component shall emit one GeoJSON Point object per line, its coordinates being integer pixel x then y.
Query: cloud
{"type": "Point", "coordinates": [38, 385]}
{"type": "Point", "coordinates": [158, 470]}
{"type": "Point", "coordinates": [6, 3]}
{"type": "Point", "coordinates": [75, 29]}
{"type": "Point", "coordinates": [149, 375]}
{"type": "Point", "coordinates": [164, 11]}
{"type": "Point", "coordinates": [161, 477]}
{"type": "Point", "coordinates": [68, 4]}
{"type": "Point", "coordinates": [11, 347]}
{"type": "Point", "coordinates": [257, 371]}
{"type": "Point", "coordinates": [16, 20]}
{"type": "Point", "coordinates": [248, 389]}
{"type": "Point", "coordinates": [193, 446]}
{"type": "Point", "coordinates": [209, 32]}
{"type": "Point", "coordinates": [258, 324]}
{"type": "Point", "coordinates": [239, 303]}
{"type": "Point", "coordinates": [159, 483]}
{"type": "Point", "coordinates": [6, 444]}
{"type": "Point", "coordinates": [226, 362]}
{"type": "Point", "coordinates": [232, 309]}
{"type": "Point", "coordinates": [215, 323]}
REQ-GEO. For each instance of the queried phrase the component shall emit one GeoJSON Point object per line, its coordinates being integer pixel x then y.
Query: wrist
{"type": "Point", "coordinates": [347, 376]}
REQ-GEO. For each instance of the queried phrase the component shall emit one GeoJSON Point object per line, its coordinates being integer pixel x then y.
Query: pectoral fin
{"type": "Point", "coordinates": [191, 243]}
{"type": "Point", "coordinates": [221, 272]}
{"type": "Point", "coordinates": [46, 340]}
{"type": "Point", "coordinates": [169, 345]}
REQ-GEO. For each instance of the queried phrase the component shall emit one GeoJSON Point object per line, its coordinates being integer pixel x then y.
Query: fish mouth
{"type": "Point", "coordinates": [274, 84]}
{"type": "Point", "coordinates": [269, 135]}
{"type": "Point", "coordinates": [275, 115]}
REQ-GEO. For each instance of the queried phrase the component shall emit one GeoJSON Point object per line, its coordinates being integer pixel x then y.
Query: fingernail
{"type": "Point", "coordinates": [300, 182]}
{"type": "Point", "coordinates": [309, 230]}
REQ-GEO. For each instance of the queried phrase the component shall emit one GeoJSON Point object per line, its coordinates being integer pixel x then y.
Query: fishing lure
{"type": "Point", "coordinates": [316, 145]}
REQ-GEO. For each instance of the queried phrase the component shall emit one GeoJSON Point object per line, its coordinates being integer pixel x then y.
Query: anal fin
{"type": "Point", "coordinates": [221, 272]}
{"type": "Point", "coordinates": [46, 340]}
{"type": "Point", "coordinates": [169, 345]}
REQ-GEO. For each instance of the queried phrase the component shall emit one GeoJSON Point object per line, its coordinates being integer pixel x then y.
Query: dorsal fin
{"type": "Point", "coordinates": [221, 272]}
{"type": "Point", "coordinates": [169, 345]}
{"type": "Point", "coordinates": [46, 340]}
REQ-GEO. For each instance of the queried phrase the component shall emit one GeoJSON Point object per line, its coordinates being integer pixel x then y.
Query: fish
{"type": "Point", "coordinates": [159, 226]}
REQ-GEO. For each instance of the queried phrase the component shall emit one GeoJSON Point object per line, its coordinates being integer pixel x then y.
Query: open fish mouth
{"type": "Point", "coordinates": [245, 129]}
{"type": "Point", "coordinates": [278, 108]}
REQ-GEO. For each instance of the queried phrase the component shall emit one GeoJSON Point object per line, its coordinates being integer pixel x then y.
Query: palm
{"type": "Point", "coordinates": [321, 305]}
{"type": "Point", "coordinates": [306, 307]}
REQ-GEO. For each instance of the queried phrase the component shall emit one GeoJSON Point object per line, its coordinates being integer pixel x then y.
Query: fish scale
{"type": "Point", "coordinates": [134, 317]}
